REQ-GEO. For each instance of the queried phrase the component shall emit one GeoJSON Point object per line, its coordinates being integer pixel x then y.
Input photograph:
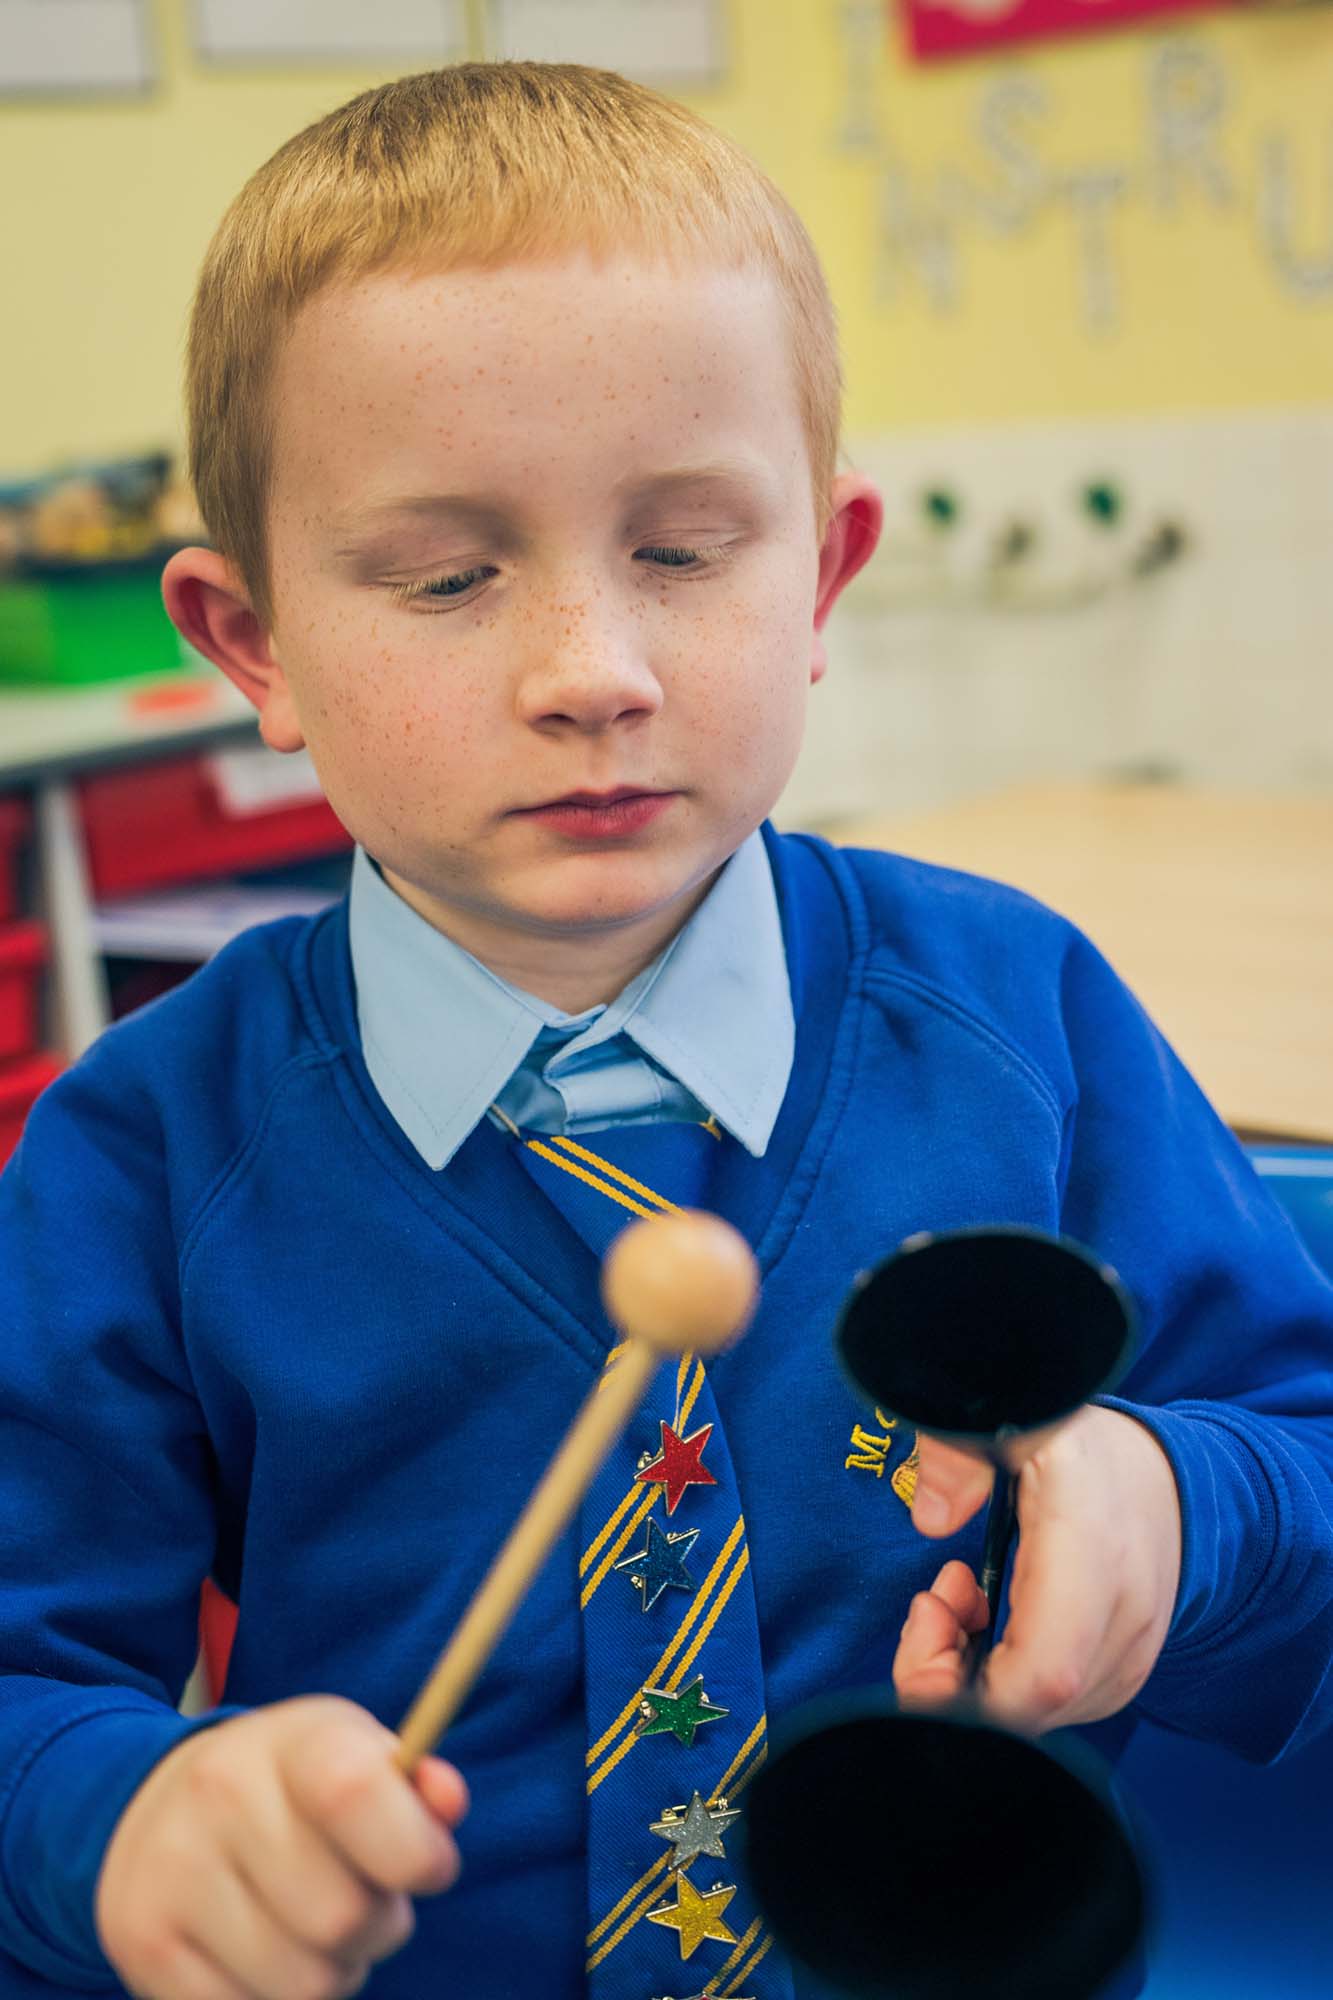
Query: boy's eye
{"type": "Point", "coordinates": [677, 558]}
{"type": "Point", "coordinates": [441, 586]}
{"type": "Point", "coordinates": [457, 585]}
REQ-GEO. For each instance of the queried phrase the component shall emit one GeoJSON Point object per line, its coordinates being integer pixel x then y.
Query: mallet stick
{"type": "Point", "coordinates": [672, 1283]}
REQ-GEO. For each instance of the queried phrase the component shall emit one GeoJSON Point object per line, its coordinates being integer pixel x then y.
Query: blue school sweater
{"type": "Point", "coordinates": [248, 1331]}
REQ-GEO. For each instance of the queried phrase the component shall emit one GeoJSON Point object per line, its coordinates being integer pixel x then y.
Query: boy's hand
{"type": "Point", "coordinates": [273, 1857]}
{"type": "Point", "coordinates": [1093, 1584]}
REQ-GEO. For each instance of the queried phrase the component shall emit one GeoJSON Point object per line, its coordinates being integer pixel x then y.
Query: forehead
{"type": "Point", "coordinates": [533, 375]}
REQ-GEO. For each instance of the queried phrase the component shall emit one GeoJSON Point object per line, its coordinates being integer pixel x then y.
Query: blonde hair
{"type": "Point", "coordinates": [479, 164]}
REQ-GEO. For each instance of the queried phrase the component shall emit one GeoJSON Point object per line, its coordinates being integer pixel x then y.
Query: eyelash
{"type": "Point", "coordinates": [404, 593]}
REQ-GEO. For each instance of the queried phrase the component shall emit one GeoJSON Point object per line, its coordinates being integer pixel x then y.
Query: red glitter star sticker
{"type": "Point", "coordinates": [677, 1464]}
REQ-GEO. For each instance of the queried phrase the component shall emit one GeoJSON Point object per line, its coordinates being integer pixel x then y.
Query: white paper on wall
{"type": "Point", "coordinates": [654, 41]}
{"type": "Point", "coordinates": [317, 31]}
{"type": "Point", "coordinates": [74, 45]}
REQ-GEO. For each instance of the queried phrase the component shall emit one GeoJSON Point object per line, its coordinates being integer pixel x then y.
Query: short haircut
{"type": "Point", "coordinates": [479, 164]}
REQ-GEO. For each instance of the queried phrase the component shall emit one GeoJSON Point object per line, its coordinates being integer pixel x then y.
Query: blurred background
{"type": "Point", "coordinates": [1082, 256]}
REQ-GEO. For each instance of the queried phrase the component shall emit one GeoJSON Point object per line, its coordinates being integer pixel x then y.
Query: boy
{"type": "Point", "coordinates": [514, 402]}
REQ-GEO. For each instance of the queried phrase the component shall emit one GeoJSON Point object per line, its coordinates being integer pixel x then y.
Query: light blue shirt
{"type": "Point", "coordinates": [707, 1028]}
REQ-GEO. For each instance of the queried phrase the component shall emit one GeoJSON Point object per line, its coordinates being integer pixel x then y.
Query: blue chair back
{"type": "Point", "coordinates": [1243, 1856]}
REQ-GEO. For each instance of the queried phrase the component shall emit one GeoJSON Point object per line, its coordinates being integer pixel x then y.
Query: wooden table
{"type": "Point", "coordinates": [1215, 907]}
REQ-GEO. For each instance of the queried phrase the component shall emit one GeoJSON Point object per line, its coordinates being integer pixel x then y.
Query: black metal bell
{"type": "Point", "coordinates": [934, 1856]}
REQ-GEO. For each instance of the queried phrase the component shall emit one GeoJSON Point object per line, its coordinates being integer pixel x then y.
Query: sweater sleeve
{"type": "Point", "coordinates": [1234, 1374]}
{"type": "Point", "coordinates": [106, 1511]}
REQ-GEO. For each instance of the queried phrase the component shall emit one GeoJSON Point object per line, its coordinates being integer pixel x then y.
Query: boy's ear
{"type": "Point", "coordinates": [850, 540]}
{"type": "Point", "coordinates": [209, 605]}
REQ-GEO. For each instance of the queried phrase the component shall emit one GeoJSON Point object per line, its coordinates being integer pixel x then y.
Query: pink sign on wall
{"type": "Point", "coordinates": [964, 27]}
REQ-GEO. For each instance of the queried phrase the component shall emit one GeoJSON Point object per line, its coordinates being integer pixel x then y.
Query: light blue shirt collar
{"type": "Point", "coordinates": [443, 1035]}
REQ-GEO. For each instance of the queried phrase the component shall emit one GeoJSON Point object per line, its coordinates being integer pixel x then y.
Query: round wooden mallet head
{"type": "Point", "coordinates": [681, 1282]}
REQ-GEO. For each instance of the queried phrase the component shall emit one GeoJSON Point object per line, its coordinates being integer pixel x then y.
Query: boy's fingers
{"type": "Point", "coordinates": [928, 1664]}
{"type": "Point", "coordinates": [950, 1486]}
{"type": "Point", "coordinates": [193, 1962]}
{"type": "Point", "coordinates": [241, 1931]}
{"type": "Point", "coordinates": [1056, 1627]}
{"type": "Point", "coordinates": [932, 1687]}
{"type": "Point", "coordinates": [371, 1814]}
{"type": "Point", "coordinates": [963, 1594]}
{"type": "Point", "coordinates": [443, 1788]}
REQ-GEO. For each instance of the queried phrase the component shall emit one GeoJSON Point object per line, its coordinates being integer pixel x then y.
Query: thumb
{"type": "Point", "coordinates": [950, 1486]}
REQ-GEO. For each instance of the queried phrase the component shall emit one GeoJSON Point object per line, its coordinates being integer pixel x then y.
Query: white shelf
{"type": "Point", "coordinates": [61, 728]}
{"type": "Point", "coordinates": [190, 924]}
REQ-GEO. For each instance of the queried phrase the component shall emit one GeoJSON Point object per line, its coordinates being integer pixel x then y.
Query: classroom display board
{"type": "Point", "coordinates": [1128, 223]}
{"type": "Point", "coordinates": [1125, 223]}
{"type": "Point", "coordinates": [321, 31]}
{"type": "Point", "coordinates": [657, 41]}
{"type": "Point", "coordinates": [49, 47]}
{"type": "Point", "coordinates": [660, 41]}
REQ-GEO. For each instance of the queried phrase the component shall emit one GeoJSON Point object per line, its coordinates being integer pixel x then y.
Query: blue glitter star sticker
{"type": "Point", "coordinates": [661, 1566]}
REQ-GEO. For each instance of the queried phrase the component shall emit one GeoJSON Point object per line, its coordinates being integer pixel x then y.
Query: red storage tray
{"type": "Point", "coordinates": [167, 821]}
{"type": "Point", "coordinates": [13, 826]}
{"type": "Point", "coordinates": [22, 956]}
{"type": "Point", "coordinates": [21, 1083]}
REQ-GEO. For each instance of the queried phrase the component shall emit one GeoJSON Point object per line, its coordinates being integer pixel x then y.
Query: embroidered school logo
{"type": "Point", "coordinates": [870, 1453]}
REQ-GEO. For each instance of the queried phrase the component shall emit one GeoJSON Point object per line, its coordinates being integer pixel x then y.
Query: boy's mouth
{"type": "Point", "coordinates": [599, 814]}
{"type": "Point", "coordinates": [598, 798]}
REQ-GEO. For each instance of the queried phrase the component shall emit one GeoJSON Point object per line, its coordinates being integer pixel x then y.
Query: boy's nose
{"type": "Point", "coordinates": [588, 668]}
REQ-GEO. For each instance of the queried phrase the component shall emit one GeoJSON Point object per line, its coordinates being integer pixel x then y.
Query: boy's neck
{"type": "Point", "coordinates": [571, 973]}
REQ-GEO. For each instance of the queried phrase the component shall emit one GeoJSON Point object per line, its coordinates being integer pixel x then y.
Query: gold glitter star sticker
{"type": "Point", "coordinates": [696, 1917]}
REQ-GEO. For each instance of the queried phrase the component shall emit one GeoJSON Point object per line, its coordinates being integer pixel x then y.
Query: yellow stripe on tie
{"type": "Point", "coordinates": [634, 1917]}
{"type": "Point", "coordinates": [679, 1672]}
{"type": "Point", "coordinates": [613, 1173]}
{"type": "Point", "coordinates": [746, 1776]}
{"type": "Point", "coordinates": [677, 1640]}
{"type": "Point", "coordinates": [581, 1173]}
{"type": "Point", "coordinates": [651, 1881]}
{"type": "Point", "coordinates": [681, 1373]}
{"type": "Point", "coordinates": [634, 1495]}
{"type": "Point", "coordinates": [626, 1535]}
{"type": "Point", "coordinates": [724, 1787]}
{"type": "Point", "coordinates": [742, 1562]}
{"type": "Point", "coordinates": [743, 1976]}
{"type": "Point", "coordinates": [742, 1947]}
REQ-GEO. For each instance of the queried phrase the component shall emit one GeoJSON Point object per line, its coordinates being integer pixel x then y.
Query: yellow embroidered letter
{"type": "Point", "coordinates": [868, 1453]}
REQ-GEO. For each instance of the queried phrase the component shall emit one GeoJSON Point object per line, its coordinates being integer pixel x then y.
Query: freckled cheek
{"type": "Point", "coordinates": [756, 648]}
{"type": "Point", "coordinates": [398, 725]}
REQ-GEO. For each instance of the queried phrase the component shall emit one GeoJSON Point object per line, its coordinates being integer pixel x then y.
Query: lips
{"type": "Point", "coordinates": [597, 798]}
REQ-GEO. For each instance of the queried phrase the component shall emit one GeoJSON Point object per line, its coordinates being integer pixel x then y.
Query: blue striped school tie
{"type": "Point", "coordinates": [673, 1683]}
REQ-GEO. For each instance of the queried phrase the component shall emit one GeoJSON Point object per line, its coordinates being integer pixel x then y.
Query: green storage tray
{"type": "Point", "coordinates": [73, 626]}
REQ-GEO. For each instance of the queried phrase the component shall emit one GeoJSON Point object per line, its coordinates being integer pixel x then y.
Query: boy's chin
{"type": "Point", "coordinates": [603, 890]}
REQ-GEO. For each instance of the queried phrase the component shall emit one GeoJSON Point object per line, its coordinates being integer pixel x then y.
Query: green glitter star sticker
{"type": "Point", "coordinates": [680, 1712]}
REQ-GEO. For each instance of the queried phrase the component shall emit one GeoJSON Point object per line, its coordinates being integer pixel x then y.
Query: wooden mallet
{"type": "Point", "coordinates": [673, 1284]}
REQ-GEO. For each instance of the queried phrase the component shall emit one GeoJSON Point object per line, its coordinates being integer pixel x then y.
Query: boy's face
{"type": "Point", "coordinates": [508, 446]}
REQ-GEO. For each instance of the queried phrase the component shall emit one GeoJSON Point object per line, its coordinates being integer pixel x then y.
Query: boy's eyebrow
{"type": "Point", "coordinates": [354, 526]}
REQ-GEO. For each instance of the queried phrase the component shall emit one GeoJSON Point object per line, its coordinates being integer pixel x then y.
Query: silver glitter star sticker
{"type": "Point", "coordinates": [695, 1829]}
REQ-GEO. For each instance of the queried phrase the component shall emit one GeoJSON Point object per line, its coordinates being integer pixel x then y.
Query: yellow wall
{"type": "Point", "coordinates": [108, 206]}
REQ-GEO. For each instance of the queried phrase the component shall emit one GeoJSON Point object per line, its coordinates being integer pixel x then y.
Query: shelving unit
{"type": "Point", "coordinates": [51, 740]}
